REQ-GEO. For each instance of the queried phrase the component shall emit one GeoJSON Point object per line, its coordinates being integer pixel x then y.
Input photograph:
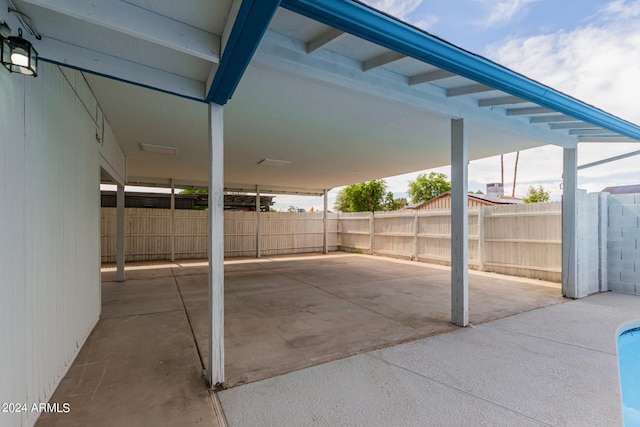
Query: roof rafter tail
{"type": "Point", "coordinates": [378, 28]}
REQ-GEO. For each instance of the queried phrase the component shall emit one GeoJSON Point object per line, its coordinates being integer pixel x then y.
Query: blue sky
{"type": "Point", "coordinates": [589, 49]}
{"type": "Point", "coordinates": [475, 24]}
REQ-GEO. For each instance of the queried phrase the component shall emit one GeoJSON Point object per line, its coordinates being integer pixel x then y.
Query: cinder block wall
{"type": "Point", "coordinates": [623, 243]}
{"type": "Point", "coordinates": [588, 244]}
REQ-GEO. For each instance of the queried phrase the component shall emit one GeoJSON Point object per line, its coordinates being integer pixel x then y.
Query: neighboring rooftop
{"type": "Point", "coordinates": [236, 202]}
{"type": "Point", "coordinates": [623, 189]}
{"type": "Point", "coordinates": [443, 201]}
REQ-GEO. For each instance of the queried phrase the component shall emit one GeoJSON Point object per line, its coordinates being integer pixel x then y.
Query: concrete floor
{"type": "Point", "coordinates": [552, 366]}
{"type": "Point", "coordinates": [141, 365]}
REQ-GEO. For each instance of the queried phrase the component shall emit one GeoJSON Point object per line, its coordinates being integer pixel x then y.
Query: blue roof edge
{"type": "Point", "coordinates": [250, 25]}
{"type": "Point", "coordinates": [367, 23]}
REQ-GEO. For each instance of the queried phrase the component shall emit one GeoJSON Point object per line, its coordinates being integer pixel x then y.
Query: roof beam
{"type": "Point", "coordinates": [431, 76]}
{"type": "Point", "coordinates": [247, 188]}
{"type": "Point", "coordinates": [468, 90]}
{"type": "Point", "coordinates": [610, 159]}
{"type": "Point", "coordinates": [381, 60]}
{"type": "Point", "coordinates": [87, 60]}
{"type": "Point", "coordinates": [528, 111]}
{"type": "Point", "coordinates": [503, 100]}
{"type": "Point", "coordinates": [362, 21]}
{"type": "Point", "coordinates": [137, 22]}
{"type": "Point", "coordinates": [551, 118]}
{"type": "Point", "coordinates": [250, 23]}
{"type": "Point", "coordinates": [592, 132]}
{"type": "Point", "coordinates": [573, 125]}
{"type": "Point", "coordinates": [619, 138]}
{"type": "Point", "coordinates": [324, 39]}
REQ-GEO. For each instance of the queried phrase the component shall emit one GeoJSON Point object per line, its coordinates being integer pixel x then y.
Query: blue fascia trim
{"type": "Point", "coordinates": [109, 76]}
{"type": "Point", "coordinates": [378, 28]}
{"type": "Point", "coordinates": [251, 23]}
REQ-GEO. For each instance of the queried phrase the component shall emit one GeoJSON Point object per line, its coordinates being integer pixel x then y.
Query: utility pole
{"type": "Point", "coordinates": [515, 174]}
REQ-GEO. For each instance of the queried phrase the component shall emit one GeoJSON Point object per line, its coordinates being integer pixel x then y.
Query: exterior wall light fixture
{"type": "Point", "coordinates": [18, 55]}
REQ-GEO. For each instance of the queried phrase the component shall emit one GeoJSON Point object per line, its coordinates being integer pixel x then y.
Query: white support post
{"type": "Point", "coordinates": [414, 254]}
{"type": "Point", "coordinates": [481, 238]}
{"type": "Point", "coordinates": [603, 223]}
{"type": "Point", "coordinates": [120, 234]}
{"type": "Point", "coordinates": [173, 222]}
{"type": "Point", "coordinates": [459, 224]}
{"type": "Point", "coordinates": [325, 224]}
{"type": "Point", "coordinates": [215, 368]}
{"type": "Point", "coordinates": [258, 231]}
{"type": "Point", "coordinates": [569, 216]}
{"type": "Point", "coordinates": [372, 223]}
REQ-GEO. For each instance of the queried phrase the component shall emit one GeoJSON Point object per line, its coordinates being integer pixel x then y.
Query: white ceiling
{"type": "Point", "coordinates": [333, 105]}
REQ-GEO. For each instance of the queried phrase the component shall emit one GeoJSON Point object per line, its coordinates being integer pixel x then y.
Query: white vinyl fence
{"type": "Point", "coordinates": [519, 240]}
{"type": "Point", "coordinates": [148, 233]}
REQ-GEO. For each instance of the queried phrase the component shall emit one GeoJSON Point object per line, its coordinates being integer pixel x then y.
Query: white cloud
{"type": "Point", "coordinates": [630, 9]}
{"type": "Point", "coordinates": [406, 10]}
{"type": "Point", "coordinates": [401, 9]}
{"type": "Point", "coordinates": [598, 63]}
{"type": "Point", "coordinates": [503, 11]}
{"type": "Point", "coordinates": [426, 22]}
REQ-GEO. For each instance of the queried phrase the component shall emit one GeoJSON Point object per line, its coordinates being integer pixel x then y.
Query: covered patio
{"type": "Point", "coordinates": [293, 97]}
{"type": "Point", "coordinates": [283, 314]}
{"type": "Point", "coordinates": [260, 97]}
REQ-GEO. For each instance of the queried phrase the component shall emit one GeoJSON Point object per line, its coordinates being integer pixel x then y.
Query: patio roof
{"type": "Point", "coordinates": [339, 91]}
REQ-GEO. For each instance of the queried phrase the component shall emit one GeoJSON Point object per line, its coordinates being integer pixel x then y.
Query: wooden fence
{"type": "Point", "coordinates": [148, 233]}
{"type": "Point", "coordinates": [519, 240]}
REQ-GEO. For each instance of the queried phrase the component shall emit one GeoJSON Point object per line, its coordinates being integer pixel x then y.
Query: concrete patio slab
{"type": "Point", "coordinates": [142, 364]}
{"type": "Point", "coordinates": [119, 300]}
{"type": "Point", "coordinates": [135, 370]}
{"type": "Point", "coordinates": [496, 373]}
{"type": "Point", "coordinates": [360, 391]}
{"type": "Point", "coordinates": [292, 312]}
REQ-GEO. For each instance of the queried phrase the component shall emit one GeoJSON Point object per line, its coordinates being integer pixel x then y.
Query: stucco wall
{"type": "Point", "coordinates": [49, 230]}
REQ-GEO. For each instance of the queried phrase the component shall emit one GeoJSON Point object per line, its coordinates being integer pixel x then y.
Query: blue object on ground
{"type": "Point", "coordinates": [629, 362]}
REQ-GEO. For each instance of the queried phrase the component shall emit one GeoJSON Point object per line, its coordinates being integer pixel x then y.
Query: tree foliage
{"type": "Point", "coordinates": [393, 204]}
{"type": "Point", "coordinates": [426, 187]}
{"type": "Point", "coordinates": [362, 197]}
{"type": "Point", "coordinates": [537, 194]}
{"type": "Point", "coordinates": [192, 191]}
{"type": "Point", "coordinates": [368, 196]}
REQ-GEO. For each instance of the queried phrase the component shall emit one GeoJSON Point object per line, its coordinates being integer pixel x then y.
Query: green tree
{"type": "Point", "coordinates": [426, 187]}
{"type": "Point", "coordinates": [192, 191]}
{"type": "Point", "coordinates": [393, 204]}
{"type": "Point", "coordinates": [537, 195]}
{"type": "Point", "coordinates": [362, 197]}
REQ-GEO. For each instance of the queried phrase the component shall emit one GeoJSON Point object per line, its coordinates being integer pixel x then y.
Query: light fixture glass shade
{"type": "Point", "coordinates": [19, 56]}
